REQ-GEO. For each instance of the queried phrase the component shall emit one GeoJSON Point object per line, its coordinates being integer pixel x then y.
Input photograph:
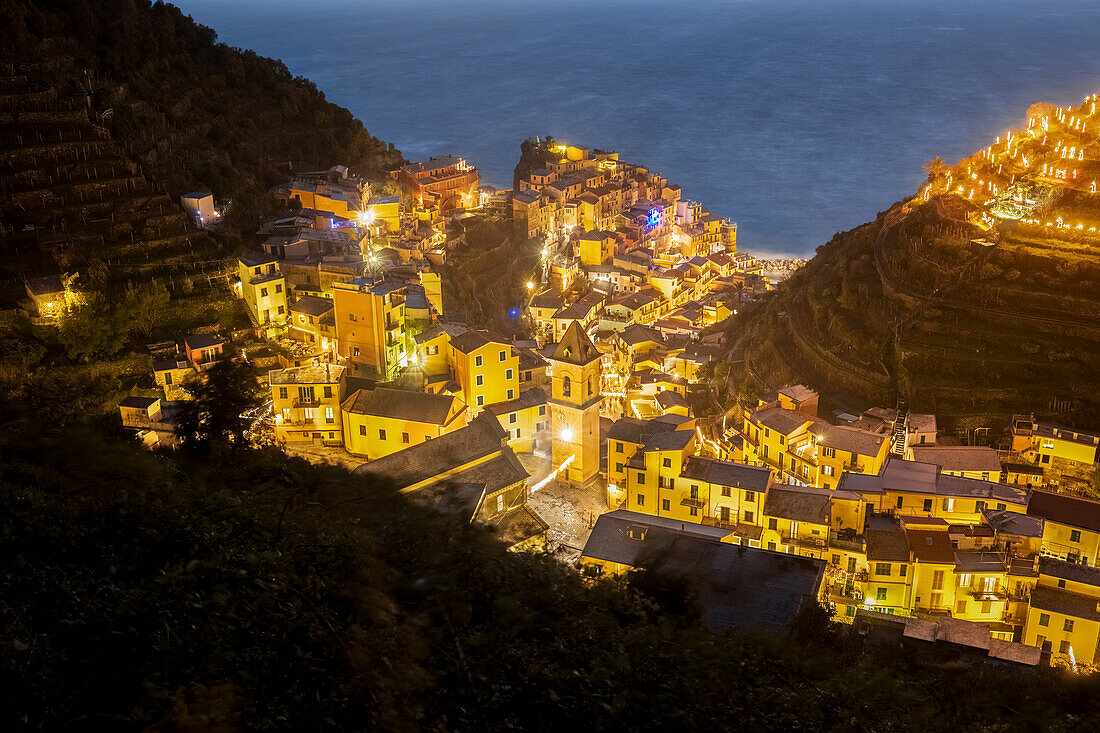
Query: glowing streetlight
{"type": "Point", "coordinates": [530, 285]}
{"type": "Point", "coordinates": [567, 434]}
{"type": "Point", "coordinates": [366, 218]}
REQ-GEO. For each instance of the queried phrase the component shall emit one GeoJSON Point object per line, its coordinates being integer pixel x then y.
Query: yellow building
{"type": "Point", "coordinates": [485, 367]}
{"type": "Point", "coordinates": [171, 375]}
{"type": "Point", "coordinates": [1063, 616]}
{"type": "Point", "coordinates": [1071, 528]}
{"type": "Point", "coordinates": [382, 421]}
{"type": "Point", "coordinates": [263, 287]}
{"type": "Point", "coordinates": [934, 582]}
{"type": "Point", "coordinates": [888, 585]}
{"type": "Point", "coordinates": [306, 403]}
{"type": "Point", "coordinates": [596, 247]}
{"type": "Point", "coordinates": [1044, 442]}
{"type": "Point", "coordinates": [915, 489]}
{"type": "Point", "coordinates": [970, 461]}
{"type": "Point", "coordinates": [371, 333]}
{"type": "Point", "coordinates": [470, 472]}
{"type": "Point", "coordinates": [732, 494]}
{"type": "Point", "coordinates": [844, 449]}
{"type": "Point", "coordinates": [797, 519]}
{"type": "Point", "coordinates": [313, 321]}
{"type": "Point", "coordinates": [386, 211]}
{"type": "Point", "coordinates": [575, 401]}
{"type": "Point", "coordinates": [526, 419]}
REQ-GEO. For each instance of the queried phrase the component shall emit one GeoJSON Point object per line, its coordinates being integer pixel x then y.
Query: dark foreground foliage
{"type": "Point", "coordinates": [250, 590]}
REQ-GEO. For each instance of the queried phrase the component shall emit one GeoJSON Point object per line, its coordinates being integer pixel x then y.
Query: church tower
{"type": "Point", "coordinates": [575, 400]}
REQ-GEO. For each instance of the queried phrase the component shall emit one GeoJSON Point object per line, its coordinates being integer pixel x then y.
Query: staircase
{"type": "Point", "coordinates": [899, 439]}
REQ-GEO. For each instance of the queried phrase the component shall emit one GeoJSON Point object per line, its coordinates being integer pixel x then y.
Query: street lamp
{"type": "Point", "coordinates": [567, 434]}
{"type": "Point", "coordinates": [530, 285]}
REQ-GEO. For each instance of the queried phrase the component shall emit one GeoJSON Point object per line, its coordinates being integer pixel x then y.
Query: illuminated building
{"type": "Point", "coordinates": [575, 400]}
{"type": "Point", "coordinates": [305, 401]}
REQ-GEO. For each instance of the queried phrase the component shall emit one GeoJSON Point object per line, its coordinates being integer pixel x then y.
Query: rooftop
{"type": "Point", "coordinates": [307, 374]}
{"type": "Point", "coordinates": [399, 404]}
{"type": "Point", "coordinates": [481, 438]}
{"type": "Point", "coordinates": [1068, 510]}
{"type": "Point", "coordinates": [726, 473]}
{"type": "Point", "coordinates": [959, 457]}
{"type": "Point", "coordinates": [799, 504]}
{"type": "Point", "coordinates": [736, 585]}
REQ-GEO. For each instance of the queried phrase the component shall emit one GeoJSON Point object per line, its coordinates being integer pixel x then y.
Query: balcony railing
{"type": "Point", "coordinates": [688, 501]}
{"type": "Point", "coordinates": [853, 543]}
{"type": "Point", "coordinates": [813, 543]}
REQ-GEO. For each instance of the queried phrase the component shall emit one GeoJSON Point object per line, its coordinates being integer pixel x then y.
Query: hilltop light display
{"type": "Point", "coordinates": [1010, 176]}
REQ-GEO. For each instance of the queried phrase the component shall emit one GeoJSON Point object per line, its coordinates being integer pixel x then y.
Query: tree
{"type": "Point", "coordinates": [145, 306]}
{"type": "Point", "coordinates": [934, 167]}
{"type": "Point", "coordinates": [216, 416]}
{"type": "Point", "coordinates": [92, 330]}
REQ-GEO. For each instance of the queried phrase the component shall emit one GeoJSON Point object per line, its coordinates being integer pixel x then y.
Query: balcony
{"type": "Point", "coordinates": [316, 402]}
{"type": "Point", "coordinates": [694, 503]}
{"type": "Point", "coordinates": [988, 593]}
{"type": "Point", "coordinates": [808, 543]}
{"type": "Point", "coordinates": [846, 541]}
{"type": "Point", "coordinates": [840, 592]}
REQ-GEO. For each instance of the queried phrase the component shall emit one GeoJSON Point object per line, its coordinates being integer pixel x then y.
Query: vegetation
{"type": "Point", "coordinates": [243, 589]}
{"type": "Point", "coordinates": [198, 114]}
{"type": "Point", "coordinates": [217, 413]}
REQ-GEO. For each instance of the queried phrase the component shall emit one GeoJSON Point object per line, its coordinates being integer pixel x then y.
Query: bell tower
{"type": "Point", "coordinates": [575, 400]}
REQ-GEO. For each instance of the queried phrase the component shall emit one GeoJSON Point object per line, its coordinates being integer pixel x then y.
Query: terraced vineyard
{"type": "Point", "coordinates": [976, 298]}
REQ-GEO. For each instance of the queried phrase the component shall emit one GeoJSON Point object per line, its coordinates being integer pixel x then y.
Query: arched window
{"type": "Point", "coordinates": [566, 386]}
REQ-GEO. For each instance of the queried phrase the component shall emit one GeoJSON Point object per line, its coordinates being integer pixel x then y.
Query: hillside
{"type": "Point", "coordinates": [249, 590]}
{"type": "Point", "coordinates": [109, 111]}
{"type": "Point", "coordinates": [976, 298]}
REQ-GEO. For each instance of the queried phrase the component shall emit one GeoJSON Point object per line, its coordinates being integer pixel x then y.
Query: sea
{"type": "Point", "coordinates": [795, 118]}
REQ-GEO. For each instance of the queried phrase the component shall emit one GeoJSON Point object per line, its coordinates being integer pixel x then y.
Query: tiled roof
{"type": "Point", "coordinates": [399, 404]}
{"type": "Point", "coordinates": [801, 504]}
{"type": "Point", "coordinates": [575, 347]}
{"type": "Point", "coordinates": [1064, 509]}
{"type": "Point", "coordinates": [735, 585]}
{"type": "Point", "coordinates": [482, 437]}
{"type": "Point", "coordinates": [203, 340]}
{"type": "Point", "coordinates": [852, 440]}
{"type": "Point", "coordinates": [530, 398]}
{"type": "Point", "coordinates": [471, 341]}
{"type": "Point", "coordinates": [932, 546]}
{"type": "Point", "coordinates": [139, 402]}
{"type": "Point", "coordinates": [1071, 571]}
{"type": "Point", "coordinates": [307, 374]}
{"type": "Point", "coordinates": [1066, 602]}
{"type": "Point", "coordinates": [959, 457]}
{"type": "Point", "coordinates": [312, 305]}
{"type": "Point", "coordinates": [887, 545]}
{"type": "Point", "coordinates": [782, 421]}
{"type": "Point", "coordinates": [727, 473]}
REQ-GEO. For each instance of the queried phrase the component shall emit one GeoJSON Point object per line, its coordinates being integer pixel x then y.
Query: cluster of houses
{"type": "Point", "coordinates": [876, 515]}
{"type": "Point", "coordinates": [904, 522]}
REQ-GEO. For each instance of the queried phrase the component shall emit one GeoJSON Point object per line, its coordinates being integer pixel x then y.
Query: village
{"type": "Point", "coordinates": [596, 435]}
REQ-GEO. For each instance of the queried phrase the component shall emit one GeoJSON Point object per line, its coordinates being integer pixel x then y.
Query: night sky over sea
{"type": "Point", "coordinates": [796, 119]}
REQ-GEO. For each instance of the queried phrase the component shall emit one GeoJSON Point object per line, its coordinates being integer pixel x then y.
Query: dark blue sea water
{"type": "Point", "coordinates": [795, 118]}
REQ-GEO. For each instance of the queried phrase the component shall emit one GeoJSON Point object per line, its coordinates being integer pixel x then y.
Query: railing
{"type": "Point", "coordinates": [816, 543]}
{"type": "Point", "coordinates": [855, 544]}
{"type": "Point", "coordinates": [688, 501]}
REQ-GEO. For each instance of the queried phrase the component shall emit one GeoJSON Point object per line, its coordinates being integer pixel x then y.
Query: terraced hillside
{"type": "Point", "coordinates": [978, 297]}
{"type": "Point", "coordinates": [74, 201]}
